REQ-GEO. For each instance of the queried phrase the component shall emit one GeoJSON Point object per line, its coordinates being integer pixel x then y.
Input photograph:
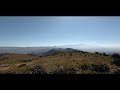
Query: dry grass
{"type": "Point", "coordinates": [53, 62]}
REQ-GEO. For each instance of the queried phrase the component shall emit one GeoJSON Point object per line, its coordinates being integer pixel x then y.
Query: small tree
{"type": "Point", "coordinates": [70, 54]}
{"type": "Point", "coordinates": [96, 52]}
{"type": "Point", "coordinates": [64, 71]}
{"type": "Point", "coordinates": [100, 53]}
{"type": "Point", "coordinates": [116, 56]}
{"type": "Point", "coordinates": [116, 62]}
{"type": "Point", "coordinates": [104, 54]}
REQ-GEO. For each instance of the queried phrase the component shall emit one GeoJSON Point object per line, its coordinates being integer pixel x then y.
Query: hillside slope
{"type": "Point", "coordinates": [58, 63]}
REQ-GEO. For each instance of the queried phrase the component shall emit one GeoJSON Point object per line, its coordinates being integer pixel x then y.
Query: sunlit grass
{"type": "Point", "coordinates": [53, 62]}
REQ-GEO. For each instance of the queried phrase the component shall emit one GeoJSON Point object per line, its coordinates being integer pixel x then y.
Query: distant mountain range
{"type": "Point", "coordinates": [93, 48]}
{"type": "Point", "coordinates": [54, 49]}
{"type": "Point", "coordinates": [58, 50]}
{"type": "Point", "coordinates": [24, 50]}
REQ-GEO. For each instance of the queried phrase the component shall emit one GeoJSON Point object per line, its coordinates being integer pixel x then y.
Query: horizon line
{"type": "Point", "coordinates": [66, 45]}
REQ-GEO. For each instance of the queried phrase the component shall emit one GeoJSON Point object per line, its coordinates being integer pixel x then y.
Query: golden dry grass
{"type": "Point", "coordinates": [52, 62]}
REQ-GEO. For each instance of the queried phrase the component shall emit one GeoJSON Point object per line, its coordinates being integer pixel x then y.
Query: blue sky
{"type": "Point", "coordinates": [59, 30]}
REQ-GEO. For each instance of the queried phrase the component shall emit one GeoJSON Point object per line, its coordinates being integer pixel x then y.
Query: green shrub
{"type": "Point", "coordinates": [64, 71]}
{"type": "Point", "coordinates": [26, 60]}
{"type": "Point", "coordinates": [116, 62]}
{"type": "Point", "coordinates": [38, 70]}
{"type": "Point", "coordinates": [96, 52]}
{"type": "Point", "coordinates": [98, 68]}
{"type": "Point", "coordinates": [1, 55]}
{"type": "Point", "coordinates": [116, 56]}
{"type": "Point", "coordinates": [85, 67]}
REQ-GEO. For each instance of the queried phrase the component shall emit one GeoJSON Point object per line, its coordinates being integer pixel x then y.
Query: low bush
{"type": "Point", "coordinates": [64, 71]}
{"type": "Point", "coordinates": [3, 58]}
{"type": "Point", "coordinates": [38, 70]}
{"type": "Point", "coordinates": [116, 62]}
{"type": "Point", "coordinates": [97, 68]}
{"type": "Point", "coordinates": [26, 60]}
{"type": "Point", "coordinates": [100, 68]}
{"type": "Point", "coordinates": [85, 67]}
{"type": "Point", "coordinates": [116, 56]}
{"type": "Point", "coordinates": [1, 55]}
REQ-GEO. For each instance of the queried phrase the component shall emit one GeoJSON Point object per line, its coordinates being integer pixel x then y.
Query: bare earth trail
{"type": "Point", "coordinates": [8, 66]}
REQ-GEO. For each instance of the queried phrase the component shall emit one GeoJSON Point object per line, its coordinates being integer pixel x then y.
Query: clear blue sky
{"type": "Point", "coordinates": [59, 30]}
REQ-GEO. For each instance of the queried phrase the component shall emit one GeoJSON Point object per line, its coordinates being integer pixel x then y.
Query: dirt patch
{"type": "Point", "coordinates": [21, 64]}
{"type": "Point", "coordinates": [4, 67]}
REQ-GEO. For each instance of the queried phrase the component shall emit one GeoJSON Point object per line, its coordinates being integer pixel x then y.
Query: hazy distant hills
{"type": "Point", "coordinates": [36, 50]}
{"type": "Point", "coordinates": [54, 49]}
{"type": "Point", "coordinates": [58, 50]}
{"type": "Point", "coordinates": [24, 50]}
{"type": "Point", "coordinates": [93, 48]}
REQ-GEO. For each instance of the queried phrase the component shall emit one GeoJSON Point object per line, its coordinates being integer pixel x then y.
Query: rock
{"type": "Point", "coordinates": [21, 64]}
{"type": "Point", "coordinates": [4, 65]}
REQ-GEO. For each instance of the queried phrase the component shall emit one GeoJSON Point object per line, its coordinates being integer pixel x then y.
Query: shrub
{"type": "Point", "coordinates": [85, 67]}
{"type": "Point", "coordinates": [116, 56]}
{"type": "Point", "coordinates": [64, 71]}
{"type": "Point", "coordinates": [97, 68]}
{"type": "Point", "coordinates": [104, 54]}
{"type": "Point", "coordinates": [116, 62]}
{"type": "Point", "coordinates": [1, 55]}
{"type": "Point", "coordinates": [70, 54]}
{"type": "Point", "coordinates": [40, 56]}
{"type": "Point", "coordinates": [26, 60]}
{"type": "Point", "coordinates": [38, 70]}
{"type": "Point", "coordinates": [96, 52]}
{"type": "Point", "coordinates": [100, 68]}
{"type": "Point", "coordinates": [3, 58]}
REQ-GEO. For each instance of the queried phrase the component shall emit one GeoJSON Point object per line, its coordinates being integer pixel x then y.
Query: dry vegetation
{"type": "Point", "coordinates": [59, 63]}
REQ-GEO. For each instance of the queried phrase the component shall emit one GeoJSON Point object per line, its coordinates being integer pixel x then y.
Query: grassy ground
{"type": "Point", "coordinates": [60, 63]}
